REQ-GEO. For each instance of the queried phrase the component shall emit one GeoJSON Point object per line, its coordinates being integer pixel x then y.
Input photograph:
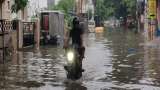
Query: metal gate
{"type": "Point", "coordinates": [5, 29]}
{"type": "Point", "coordinates": [28, 33]}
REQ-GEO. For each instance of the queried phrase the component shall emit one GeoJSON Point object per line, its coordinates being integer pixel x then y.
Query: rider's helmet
{"type": "Point", "coordinates": [75, 21]}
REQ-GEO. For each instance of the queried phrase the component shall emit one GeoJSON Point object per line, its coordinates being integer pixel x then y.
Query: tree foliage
{"type": "Point", "coordinates": [19, 5]}
{"type": "Point", "coordinates": [118, 8]}
{"type": "Point", "coordinates": [66, 6]}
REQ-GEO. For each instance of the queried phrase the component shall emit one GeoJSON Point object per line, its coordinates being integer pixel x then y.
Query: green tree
{"type": "Point", "coordinates": [19, 5]}
{"type": "Point", "coordinates": [118, 8]}
{"type": "Point", "coordinates": [66, 6]}
{"type": "Point", "coordinates": [101, 10]}
{"type": "Point", "coordinates": [130, 6]}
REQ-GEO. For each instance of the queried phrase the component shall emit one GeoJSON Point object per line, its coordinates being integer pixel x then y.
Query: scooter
{"type": "Point", "coordinates": [74, 63]}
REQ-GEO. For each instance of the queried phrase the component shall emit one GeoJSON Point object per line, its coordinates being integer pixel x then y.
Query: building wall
{"type": "Point", "coordinates": [6, 10]}
{"type": "Point", "coordinates": [158, 13]}
{"type": "Point", "coordinates": [7, 14]}
{"type": "Point", "coordinates": [158, 17]}
{"type": "Point", "coordinates": [23, 14]}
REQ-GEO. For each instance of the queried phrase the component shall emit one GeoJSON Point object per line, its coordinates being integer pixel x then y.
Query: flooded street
{"type": "Point", "coordinates": [114, 60]}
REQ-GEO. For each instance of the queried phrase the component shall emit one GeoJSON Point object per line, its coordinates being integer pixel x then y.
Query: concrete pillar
{"type": "Point", "coordinates": [37, 34]}
{"type": "Point", "coordinates": [14, 41]}
{"type": "Point", "coordinates": [20, 35]}
{"type": "Point", "coordinates": [17, 58]}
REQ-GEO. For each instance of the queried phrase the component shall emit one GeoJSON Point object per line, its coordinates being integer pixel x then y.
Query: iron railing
{"type": "Point", "coordinates": [5, 28]}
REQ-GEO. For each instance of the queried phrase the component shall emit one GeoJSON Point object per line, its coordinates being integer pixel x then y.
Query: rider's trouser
{"type": "Point", "coordinates": [81, 51]}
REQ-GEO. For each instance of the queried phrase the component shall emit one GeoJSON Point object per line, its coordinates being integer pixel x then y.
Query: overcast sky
{"type": "Point", "coordinates": [42, 3]}
{"type": "Point", "coordinates": [37, 5]}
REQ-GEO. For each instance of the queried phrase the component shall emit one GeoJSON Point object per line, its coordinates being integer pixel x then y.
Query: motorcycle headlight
{"type": "Point", "coordinates": [70, 56]}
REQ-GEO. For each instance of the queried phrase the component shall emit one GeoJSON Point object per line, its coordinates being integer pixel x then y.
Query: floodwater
{"type": "Point", "coordinates": [114, 60]}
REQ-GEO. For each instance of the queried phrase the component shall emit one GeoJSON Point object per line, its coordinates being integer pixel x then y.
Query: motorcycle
{"type": "Point", "coordinates": [74, 63]}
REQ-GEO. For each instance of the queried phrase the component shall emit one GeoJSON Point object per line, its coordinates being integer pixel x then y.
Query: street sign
{"type": "Point", "coordinates": [152, 9]}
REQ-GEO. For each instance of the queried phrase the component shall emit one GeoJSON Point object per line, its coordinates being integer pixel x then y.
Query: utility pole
{"type": "Point", "coordinates": [94, 4]}
{"type": "Point", "coordinates": [138, 15]}
{"type": "Point", "coordinates": [81, 6]}
{"type": "Point", "coordinates": [1, 6]}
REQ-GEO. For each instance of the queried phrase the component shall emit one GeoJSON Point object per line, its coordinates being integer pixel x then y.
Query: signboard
{"type": "Point", "coordinates": [152, 8]}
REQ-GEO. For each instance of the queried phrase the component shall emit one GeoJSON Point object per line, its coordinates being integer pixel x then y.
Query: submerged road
{"type": "Point", "coordinates": [114, 60]}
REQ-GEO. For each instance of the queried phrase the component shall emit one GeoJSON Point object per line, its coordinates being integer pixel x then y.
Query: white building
{"type": "Point", "coordinates": [90, 6]}
{"type": "Point", "coordinates": [36, 6]}
{"type": "Point", "coordinates": [50, 3]}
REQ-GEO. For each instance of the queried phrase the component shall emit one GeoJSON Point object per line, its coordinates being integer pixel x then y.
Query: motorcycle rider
{"type": "Point", "coordinates": [76, 34]}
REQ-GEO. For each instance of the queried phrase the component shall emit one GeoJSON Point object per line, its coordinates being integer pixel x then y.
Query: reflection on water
{"type": "Point", "coordinates": [115, 60]}
{"type": "Point", "coordinates": [151, 66]}
{"type": "Point", "coordinates": [127, 56]}
{"type": "Point", "coordinates": [75, 86]}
